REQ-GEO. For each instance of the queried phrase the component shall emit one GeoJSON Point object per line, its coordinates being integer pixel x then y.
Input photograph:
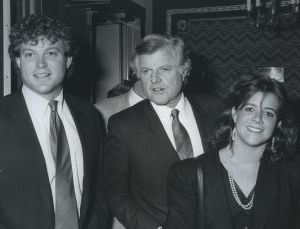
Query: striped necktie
{"type": "Point", "coordinates": [66, 214]}
{"type": "Point", "coordinates": [181, 136]}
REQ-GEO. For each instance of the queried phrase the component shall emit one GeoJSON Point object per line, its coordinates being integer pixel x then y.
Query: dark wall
{"type": "Point", "coordinates": [228, 44]}
{"type": "Point", "coordinates": [160, 7]}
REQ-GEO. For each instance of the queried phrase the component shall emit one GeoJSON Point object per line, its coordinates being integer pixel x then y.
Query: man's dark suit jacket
{"type": "Point", "coordinates": [276, 202]}
{"type": "Point", "coordinates": [25, 193]}
{"type": "Point", "coordinates": [138, 155]}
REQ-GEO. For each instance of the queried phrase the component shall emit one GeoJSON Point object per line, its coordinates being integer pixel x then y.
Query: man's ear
{"type": "Point", "coordinates": [233, 114]}
{"type": "Point", "coordinates": [69, 61]}
{"type": "Point", "coordinates": [18, 61]}
{"type": "Point", "coordinates": [185, 73]}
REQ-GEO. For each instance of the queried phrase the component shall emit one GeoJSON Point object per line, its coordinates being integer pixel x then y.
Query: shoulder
{"type": "Point", "coordinates": [12, 98]}
{"type": "Point", "coordinates": [79, 103]}
{"type": "Point", "coordinates": [112, 104]}
{"type": "Point", "coordinates": [212, 105]}
{"type": "Point", "coordinates": [81, 106]}
{"type": "Point", "coordinates": [207, 100]}
{"type": "Point", "coordinates": [84, 113]}
{"type": "Point", "coordinates": [13, 103]}
{"type": "Point", "coordinates": [292, 166]}
{"type": "Point", "coordinates": [136, 118]}
{"type": "Point", "coordinates": [109, 106]}
{"type": "Point", "coordinates": [133, 113]}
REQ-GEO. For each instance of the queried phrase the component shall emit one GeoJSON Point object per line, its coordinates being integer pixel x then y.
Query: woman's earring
{"type": "Point", "coordinates": [233, 134]}
{"type": "Point", "coordinates": [272, 147]}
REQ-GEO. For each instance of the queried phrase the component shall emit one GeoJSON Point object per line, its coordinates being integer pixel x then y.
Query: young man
{"type": "Point", "coordinates": [146, 139]}
{"type": "Point", "coordinates": [51, 157]}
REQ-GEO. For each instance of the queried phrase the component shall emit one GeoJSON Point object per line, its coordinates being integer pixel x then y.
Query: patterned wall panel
{"type": "Point", "coordinates": [231, 44]}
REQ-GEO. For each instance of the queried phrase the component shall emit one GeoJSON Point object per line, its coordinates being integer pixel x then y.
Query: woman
{"type": "Point", "coordinates": [246, 181]}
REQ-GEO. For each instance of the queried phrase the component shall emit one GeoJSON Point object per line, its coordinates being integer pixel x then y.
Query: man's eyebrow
{"type": "Point", "coordinates": [26, 49]}
{"type": "Point", "coordinates": [47, 49]}
{"type": "Point", "coordinates": [53, 47]}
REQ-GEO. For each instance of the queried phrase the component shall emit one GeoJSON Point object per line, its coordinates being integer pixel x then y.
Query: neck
{"type": "Point", "coordinates": [245, 154]}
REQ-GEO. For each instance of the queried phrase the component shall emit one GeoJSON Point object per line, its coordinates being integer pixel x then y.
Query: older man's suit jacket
{"type": "Point", "coordinates": [138, 155]}
{"type": "Point", "coordinates": [25, 193]}
{"type": "Point", "coordinates": [276, 202]}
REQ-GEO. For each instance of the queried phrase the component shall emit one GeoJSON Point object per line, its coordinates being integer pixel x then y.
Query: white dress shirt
{"type": "Point", "coordinates": [186, 117]}
{"type": "Point", "coordinates": [39, 111]}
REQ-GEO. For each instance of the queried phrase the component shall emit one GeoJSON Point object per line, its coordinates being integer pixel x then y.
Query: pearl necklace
{"type": "Point", "coordinates": [247, 206]}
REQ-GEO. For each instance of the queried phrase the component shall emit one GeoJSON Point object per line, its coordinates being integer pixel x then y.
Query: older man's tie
{"type": "Point", "coordinates": [66, 215]}
{"type": "Point", "coordinates": [181, 136]}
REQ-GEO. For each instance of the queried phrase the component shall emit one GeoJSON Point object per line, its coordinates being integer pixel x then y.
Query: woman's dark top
{"type": "Point", "coordinates": [241, 217]}
{"type": "Point", "coordinates": [276, 203]}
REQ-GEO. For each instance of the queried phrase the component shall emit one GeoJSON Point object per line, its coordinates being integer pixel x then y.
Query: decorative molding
{"type": "Point", "coordinates": [214, 9]}
{"type": "Point", "coordinates": [226, 43]}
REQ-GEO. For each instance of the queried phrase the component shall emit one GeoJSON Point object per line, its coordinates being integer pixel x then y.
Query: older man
{"type": "Point", "coordinates": [143, 141]}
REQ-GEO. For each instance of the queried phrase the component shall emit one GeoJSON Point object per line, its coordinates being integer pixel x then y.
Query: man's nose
{"type": "Point", "coordinates": [41, 62]}
{"type": "Point", "coordinates": [155, 77]}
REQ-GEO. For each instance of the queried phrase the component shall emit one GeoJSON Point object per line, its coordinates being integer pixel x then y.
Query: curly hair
{"type": "Point", "coordinates": [285, 133]}
{"type": "Point", "coordinates": [35, 28]}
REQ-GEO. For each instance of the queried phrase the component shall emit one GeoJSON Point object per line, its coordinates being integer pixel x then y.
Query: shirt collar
{"type": "Point", "coordinates": [37, 103]}
{"type": "Point", "coordinates": [164, 112]}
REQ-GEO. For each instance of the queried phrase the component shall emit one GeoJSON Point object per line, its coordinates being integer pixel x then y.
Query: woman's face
{"type": "Point", "coordinates": [256, 120]}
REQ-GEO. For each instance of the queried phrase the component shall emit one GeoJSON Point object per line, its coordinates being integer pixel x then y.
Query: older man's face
{"type": "Point", "coordinates": [43, 67]}
{"type": "Point", "coordinates": [162, 76]}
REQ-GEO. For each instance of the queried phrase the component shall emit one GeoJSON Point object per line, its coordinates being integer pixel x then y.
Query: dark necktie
{"type": "Point", "coordinates": [66, 215]}
{"type": "Point", "coordinates": [181, 136]}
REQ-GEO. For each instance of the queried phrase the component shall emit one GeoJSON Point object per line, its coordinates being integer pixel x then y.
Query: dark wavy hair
{"type": "Point", "coordinates": [34, 28]}
{"type": "Point", "coordinates": [285, 132]}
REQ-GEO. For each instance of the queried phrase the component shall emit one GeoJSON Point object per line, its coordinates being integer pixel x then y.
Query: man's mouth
{"type": "Point", "coordinates": [42, 75]}
{"type": "Point", "coordinates": [158, 89]}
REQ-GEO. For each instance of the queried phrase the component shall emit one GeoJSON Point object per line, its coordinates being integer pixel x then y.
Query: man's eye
{"type": "Point", "coordinates": [165, 69]}
{"type": "Point", "coordinates": [28, 55]}
{"type": "Point", "coordinates": [145, 71]}
{"type": "Point", "coordinates": [51, 53]}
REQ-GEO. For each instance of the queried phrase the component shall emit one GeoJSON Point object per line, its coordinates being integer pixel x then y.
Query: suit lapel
{"type": "Point", "coordinates": [79, 119]}
{"type": "Point", "coordinates": [32, 149]}
{"type": "Point", "coordinates": [157, 130]}
{"type": "Point", "coordinates": [203, 123]}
